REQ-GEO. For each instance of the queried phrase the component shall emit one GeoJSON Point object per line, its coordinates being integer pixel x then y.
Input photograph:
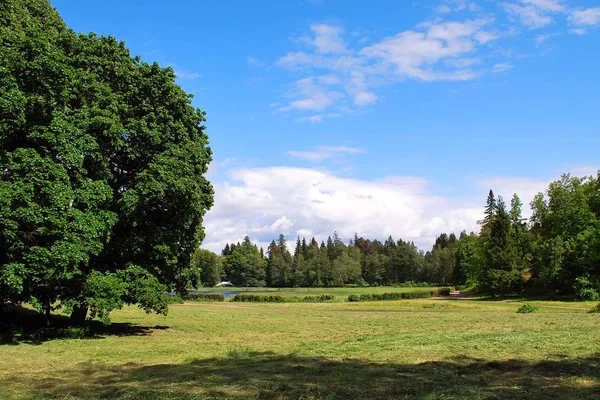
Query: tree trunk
{"type": "Point", "coordinates": [78, 315]}
{"type": "Point", "coordinates": [47, 317]}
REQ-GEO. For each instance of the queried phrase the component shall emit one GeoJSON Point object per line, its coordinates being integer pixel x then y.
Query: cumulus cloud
{"type": "Point", "coordinates": [307, 202]}
{"type": "Point", "coordinates": [264, 202]}
{"type": "Point", "coordinates": [585, 17]}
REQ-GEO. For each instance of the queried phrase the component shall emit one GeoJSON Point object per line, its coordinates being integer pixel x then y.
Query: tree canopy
{"type": "Point", "coordinates": [556, 253]}
{"type": "Point", "coordinates": [102, 192]}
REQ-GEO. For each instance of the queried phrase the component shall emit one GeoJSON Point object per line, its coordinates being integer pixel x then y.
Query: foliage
{"type": "Point", "coordinates": [207, 267]}
{"type": "Point", "coordinates": [176, 299]}
{"type": "Point", "coordinates": [103, 161]}
{"type": "Point", "coordinates": [418, 294]}
{"type": "Point", "coordinates": [105, 292]}
{"type": "Point", "coordinates": [259, 298]}
{"type": "Point", "coordinates": [320, 298]}
{"type": "Point", "coordinates": [586, 289]}
{"type": "Point", "coordinates": [595, 309]}
{"type": "Point", "coordinates": [267, 298]}
{"type": "Point", "coordinates": [205, 297]}
{"type": "Point", "coordinates": [244, 266]}
{"type": "Point", "coordinates": [528, 309]}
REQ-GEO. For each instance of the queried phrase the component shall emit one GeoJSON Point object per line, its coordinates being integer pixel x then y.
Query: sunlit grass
{"type": "Point", "coordinates": [404, 349]}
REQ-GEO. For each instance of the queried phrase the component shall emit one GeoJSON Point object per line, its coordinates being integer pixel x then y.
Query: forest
{"type": "Point", "coordinates": [556, 252]}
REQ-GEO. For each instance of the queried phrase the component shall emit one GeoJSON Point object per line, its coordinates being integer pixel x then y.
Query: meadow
{"type": "Point", "coordinates": [409, 349]}
{"type": "Point", "coordinates": [341, 293]}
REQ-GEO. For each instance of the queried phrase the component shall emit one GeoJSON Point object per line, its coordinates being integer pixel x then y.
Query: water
{"type": "Point", "coordinates": [227, 295]}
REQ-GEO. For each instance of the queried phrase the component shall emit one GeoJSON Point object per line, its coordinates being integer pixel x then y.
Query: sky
{"type": "Point", "coordinates": [378, 118]}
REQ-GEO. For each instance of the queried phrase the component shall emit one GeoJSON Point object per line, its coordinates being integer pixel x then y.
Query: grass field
{"type": "Point", "coordinates": [341, 293]}
{"type": "Point", "coordinates": [410, 349]}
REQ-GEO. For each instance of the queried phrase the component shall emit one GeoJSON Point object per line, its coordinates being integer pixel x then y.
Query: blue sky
{"type": "Point", "coordinates": [381, 118]}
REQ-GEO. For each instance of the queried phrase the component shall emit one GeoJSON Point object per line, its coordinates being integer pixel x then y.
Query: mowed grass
{"type": "Point", "coordinates": [410, 349]}
{"type": "Point", "coordinates": [340, 293]}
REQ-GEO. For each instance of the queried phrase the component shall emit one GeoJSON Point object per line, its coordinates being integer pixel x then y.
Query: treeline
{"type": "Point", "coordinates": [555, 252]}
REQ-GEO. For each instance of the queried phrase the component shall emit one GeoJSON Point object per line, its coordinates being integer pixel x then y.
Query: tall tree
{"type": "Point", "coordinates": [209, 268]}
{"type": "Point", "coordinates": [103, 160]}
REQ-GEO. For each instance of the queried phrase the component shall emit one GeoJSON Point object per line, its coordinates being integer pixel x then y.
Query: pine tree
{"type": "Point", "coordinates": [304, 247]}
{"type": "Point", "coordinates": [298, 249]}
{"type": "Point", "coordinates": [489, 213]}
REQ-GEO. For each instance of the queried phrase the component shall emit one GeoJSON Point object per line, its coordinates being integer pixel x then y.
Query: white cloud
{"type": "Point", "coordinates": [364, 98]}
{"type": "Point", "coordinates": [313, 119]}
{"type": "Point", "coordinates": [539, 39]}
{"type": "Point", "coordinates": [344, 74]}
{"type": "Point", "coordinates": [339, 74]}
{"type": "Point", "coordinates": [449, 6]}
{"type": "Point", "coordinates": [546, 5]}
{"type": "Point", "coordinates": [531, 16]}
{"type": "Point", "coordinates": [443, 9]}
{"type": "Point", "coordinates": [311, 96]}
{"type": "Point", "coordinates": [586, 17]}
{"type": "Point", "coordinates": [255, 62]}
{"type": "Point", "coordinates": [327, 39]}
{"type": "Point", "coordinates": [326, 152]}
{"type": "Point", "coordinates": [186, 75]}
{"type": "Point", "coordinates": [417, 55]}
{"type": "Point", "coordinates": [501, 67]}
{"type": "Point", "coordinates": [535, 13]}
{"type": "Point", "coordinates": [264, 202]}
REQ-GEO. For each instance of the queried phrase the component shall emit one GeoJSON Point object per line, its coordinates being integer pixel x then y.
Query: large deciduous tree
{"type": "Point", "coordinates": [102, 163]}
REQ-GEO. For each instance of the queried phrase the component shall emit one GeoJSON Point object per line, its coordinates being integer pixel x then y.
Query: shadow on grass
{"type": "Point", "coordinates": [249, 375]}
{"type": "Point", "coordinates": [22, 325]}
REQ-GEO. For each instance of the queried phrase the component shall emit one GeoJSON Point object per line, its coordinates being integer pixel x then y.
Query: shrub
{"type": "Point", "coordinates": [259, 298]}
{"type": "Point", "coordinates": [205, 297]}
{"type": "Point", "coordinates": [596, 309]}
{"type": "Point", "coordinates": [318, 298]}
{"type": "Point", "coordinates": [353, 298]}
{"type": "Point", "coordinates": [528, 309]}
{"type": "Point", "coordinates": [443, 292]}
{"type": "Point", "coordinates": [175, 299]}
{"type": "Point", "coordinates": [586, 289]}
{"type": "Point", "coordinates": [418, 294]}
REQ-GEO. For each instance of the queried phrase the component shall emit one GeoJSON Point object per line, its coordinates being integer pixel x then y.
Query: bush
{"type": "Point", "coordinates": [443, 292]}
{"type": "Point", "coordinates": [205, 297]}
{"type": "Point", "coordinates": [586, 289]}
{"type": "Point", "coordinates": [419, 294]}
{"type": "Point", "coordinates": [318, 298]}
{"type": "Point", "coordinates": [175, 299]}
{"type": "Point", "coordinates": [596, 309]}
{"type": "Point", "coordinates": [528, 309]}
{"type": "Point", "coordinates": [259, 298]}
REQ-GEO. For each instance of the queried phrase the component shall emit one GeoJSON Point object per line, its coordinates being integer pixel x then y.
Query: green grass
{"type": "Point", "coordinates": [409, 349]}
{"type": "Point", "coordinates": [340, 293]}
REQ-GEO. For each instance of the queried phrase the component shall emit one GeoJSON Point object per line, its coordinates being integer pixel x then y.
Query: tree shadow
{"type": "Point", "coordinates": [263, 375]}
{"type": "Point", "coordinates": [22, 325]}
